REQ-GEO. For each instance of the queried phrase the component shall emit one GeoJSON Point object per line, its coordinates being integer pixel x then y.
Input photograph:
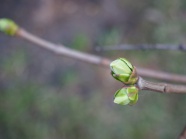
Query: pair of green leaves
{"type": "Point", "coordinates": [123, 71]}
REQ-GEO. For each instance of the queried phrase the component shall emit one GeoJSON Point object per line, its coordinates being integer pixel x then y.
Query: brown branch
{"type": "Point", "coordinates": [183, 134]}
{"type": "Point", "coordinates": [93, 59]}
{"type": "Point", "coordinates": [160, 87]}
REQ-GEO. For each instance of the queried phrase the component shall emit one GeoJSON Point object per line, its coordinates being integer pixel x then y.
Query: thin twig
{"type": "Point", "coordinates": [183, 134]}
{"type": "Point", "coordinates": [179, 47]}
{"type": "Point", "coordinates": [93, 59]}
{"type": "Point", "coordinates": [160, 87]}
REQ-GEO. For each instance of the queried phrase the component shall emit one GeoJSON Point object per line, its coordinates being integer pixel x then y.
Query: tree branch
{"type": "Point", "coordinates": [93, 59]}
{"type": "Point", "coordinates": [179, 47]}
{"type": "Point", "coordinates": [183, 134]}
{"type": "Point", "coordinates": [160, 87]}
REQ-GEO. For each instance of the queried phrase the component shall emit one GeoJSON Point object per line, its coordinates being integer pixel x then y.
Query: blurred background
{"type": "Point", "coordinates": [46, 96]}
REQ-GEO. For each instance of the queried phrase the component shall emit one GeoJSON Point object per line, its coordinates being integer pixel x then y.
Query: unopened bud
{"type": "Point", "coordinates": [8, 26]}
{"type": "Point", "coordinates": [126, 95]}
{"type": "Point", "coordinates": [123, 71]}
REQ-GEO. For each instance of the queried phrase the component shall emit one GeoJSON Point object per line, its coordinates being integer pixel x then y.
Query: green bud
{"type": "Point", "coordinates": [123, 71]}
{"type": "Point", "coordinates": [128, 95]}
{"type": "Point", "coordinates": [8, 26]}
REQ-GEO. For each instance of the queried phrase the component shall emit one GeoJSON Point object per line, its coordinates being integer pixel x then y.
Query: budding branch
{"type": "Point", "coordinates": [93, 59]}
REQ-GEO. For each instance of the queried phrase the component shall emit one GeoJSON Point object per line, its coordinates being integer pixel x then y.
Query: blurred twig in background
{"type": "Point", "coordinates": [179, 47]}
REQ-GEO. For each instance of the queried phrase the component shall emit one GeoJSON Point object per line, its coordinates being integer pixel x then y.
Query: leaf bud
{"type": "Point", "coordinates": [123, 71]}
{"type": "Point", "coordinates": [126, 95]}
{"type": "Point", "coordinates": [8, 26]}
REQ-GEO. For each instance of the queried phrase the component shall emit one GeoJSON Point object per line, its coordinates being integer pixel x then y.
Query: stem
{"type": "Point", "coordinates": [62, 50]}
{"type": "Point", "coordinates": [183, 134]}
{"type": "Point", "coordinates": [143, 47]}
{"type": "Point", "coordinates": [159, 87]}
{"type": "Point", "coordinates": [93, 59]}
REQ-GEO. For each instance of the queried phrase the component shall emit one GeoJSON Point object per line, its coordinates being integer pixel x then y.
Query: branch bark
{"type": "Point", "coordinates": [93, 59]}
{"type": "Point", "coordinates": [160, 87]}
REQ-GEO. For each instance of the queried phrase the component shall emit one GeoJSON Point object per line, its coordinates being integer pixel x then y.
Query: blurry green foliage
{"type": "Point", "coordinates": [31, 110]}
{"type": "Point", "coordinates": [15, 63]}
{"type": "Point", "coordinates": [80, 42]}
{"type": "Point", "coordinates": [110, 37]}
